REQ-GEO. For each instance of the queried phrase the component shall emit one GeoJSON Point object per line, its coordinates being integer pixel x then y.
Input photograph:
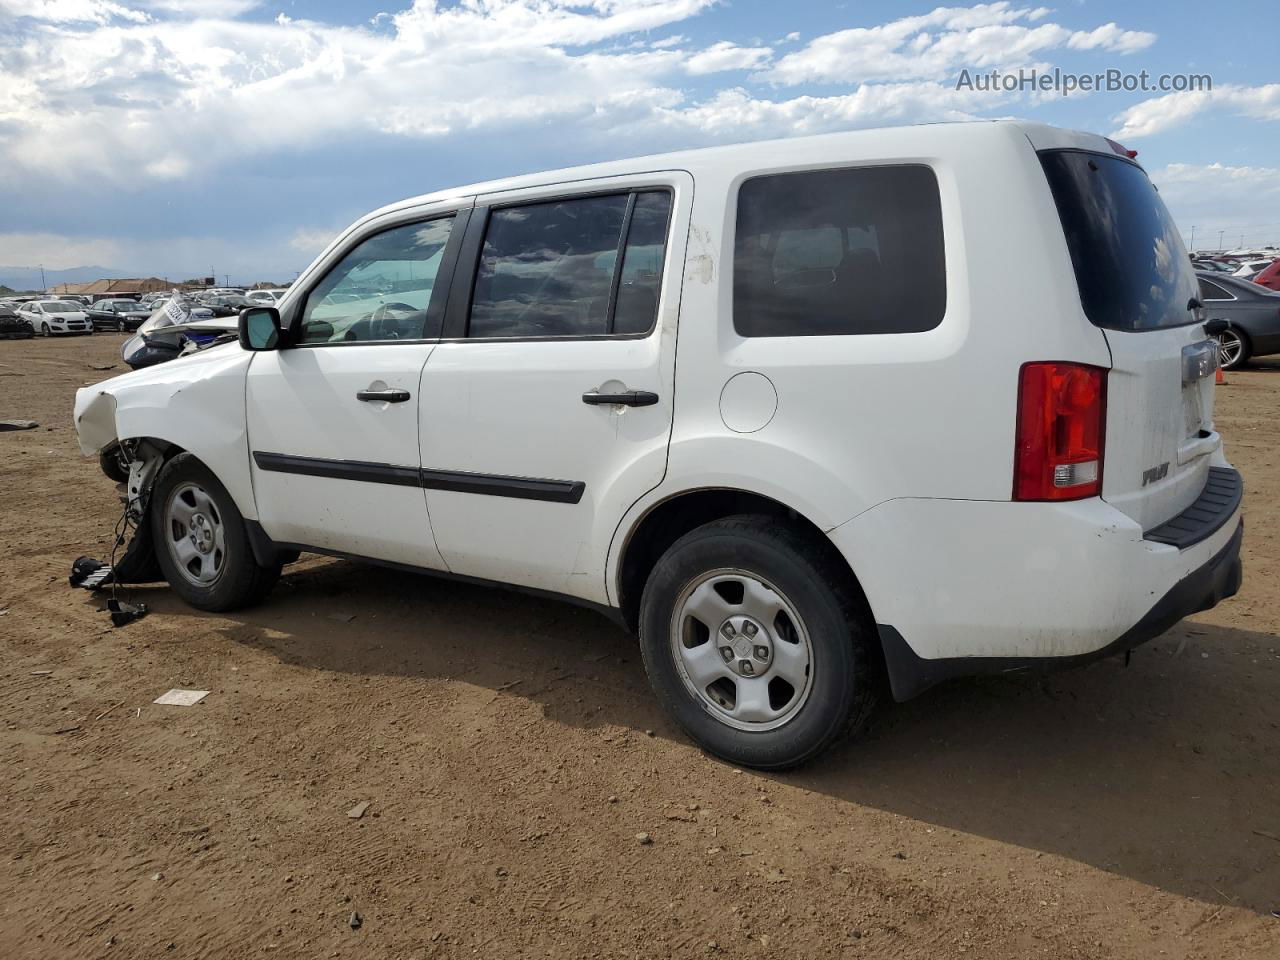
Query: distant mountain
{"type": "Point", "coordinates": [28, 278]}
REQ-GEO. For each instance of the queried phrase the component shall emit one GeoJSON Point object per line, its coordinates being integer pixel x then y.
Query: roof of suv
{"type": "Point", "coordinates": [923, 139]}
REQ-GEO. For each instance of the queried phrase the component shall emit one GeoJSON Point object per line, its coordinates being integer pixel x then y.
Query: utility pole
{"type": "Point", "coordinates": [1242, 241]}
{"type": "Point", "coordinates": [1220, 233]}
{"type": "Point", "coordinates": [43, 286]}
{"type": "Point", "coordinates": [1193, 238]}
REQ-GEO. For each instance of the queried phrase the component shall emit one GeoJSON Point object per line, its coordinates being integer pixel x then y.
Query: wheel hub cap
{"type": "Point", "coordinates": [745, 646]}
{"type": "Point", "coordinates": [741, 648]}
{"type": "Point", "coordinates": [196, 536]}
{"type": "Point", "coordinates": [201, 535]}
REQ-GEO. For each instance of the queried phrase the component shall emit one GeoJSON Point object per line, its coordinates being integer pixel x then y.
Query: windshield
{"type": "Point", "coordinates": [129, 305]}
{"type": "Point", "coordinates": [61, 306]}
{"type": "Point", "coordinates": [1131, 267]}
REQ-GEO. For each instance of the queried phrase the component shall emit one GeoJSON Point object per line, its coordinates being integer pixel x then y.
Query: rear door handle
{"type": "Point", "coordinates": [383, 396]}
{"type": "Point", "coordinates": [631, 398]}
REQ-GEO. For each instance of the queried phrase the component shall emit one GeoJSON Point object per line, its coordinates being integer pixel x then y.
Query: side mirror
{"type": "Point", "coordinates": [260, 328]}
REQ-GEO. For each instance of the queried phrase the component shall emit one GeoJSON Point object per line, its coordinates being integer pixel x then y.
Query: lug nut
{"type": "Point", "coordinates": [726, 653]}
{"type": "Point", "coordinates": [728, 630]}
{"type": "Point", "coordinates": [750, 628]}
{"type": "Point", "coordinates": [746, 667]}
{"type": "Point", "coordinates": [762, 653]}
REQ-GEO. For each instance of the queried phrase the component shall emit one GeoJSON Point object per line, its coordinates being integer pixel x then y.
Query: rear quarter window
{"type": "Point", "coordinates": [1131, 268]}
{"type": "Point", "coordinates": [838, 253]}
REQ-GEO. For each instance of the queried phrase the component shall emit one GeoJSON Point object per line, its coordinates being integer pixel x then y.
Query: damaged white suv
{"type": "Point", "coordinates": [909, 403]}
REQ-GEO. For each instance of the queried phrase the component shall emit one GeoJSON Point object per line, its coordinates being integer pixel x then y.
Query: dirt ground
{"type": "Point", "coordinates": [510, 753]}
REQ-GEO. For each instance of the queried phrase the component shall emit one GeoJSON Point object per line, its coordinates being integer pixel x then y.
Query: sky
{"type": "Point", "coordinates": [182, 137]}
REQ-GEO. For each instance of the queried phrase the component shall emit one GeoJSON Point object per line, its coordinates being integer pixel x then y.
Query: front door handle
{"type": "Point", "coordinates": [631, 398]}
{"type": "Point", "coordinates": [383, 396]}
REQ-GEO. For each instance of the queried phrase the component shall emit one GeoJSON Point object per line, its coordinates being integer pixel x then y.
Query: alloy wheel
{"type": "Point", "coordinates": [1230, 348]}
{"type": "Point", "coordinates": [742, 649]}
{"type": "Point", "coordinates": [195, 534]}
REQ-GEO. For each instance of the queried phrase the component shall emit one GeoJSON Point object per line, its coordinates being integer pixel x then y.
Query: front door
{"type": "Point", "coordinates": [546, 408]}
{"type": "Point", "coordinates": [333, 418]}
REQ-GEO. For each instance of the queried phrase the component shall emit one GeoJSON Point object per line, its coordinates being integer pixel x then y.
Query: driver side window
{"type": "Point", "coordinates": [381, 290]}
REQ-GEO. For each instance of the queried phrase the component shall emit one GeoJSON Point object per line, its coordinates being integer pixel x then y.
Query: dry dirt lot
{"type": "Point", "coordinates": [510, 753]}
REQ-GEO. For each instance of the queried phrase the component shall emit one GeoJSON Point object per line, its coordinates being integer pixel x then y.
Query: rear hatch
{"type": "Point", "coordinates": [1136, 283]}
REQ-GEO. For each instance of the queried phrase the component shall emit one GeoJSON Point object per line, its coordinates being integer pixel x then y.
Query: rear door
{"type": "Point", "coordinates": [1136, 283]}
{"type": "Point", "coordinates": [546, 409]}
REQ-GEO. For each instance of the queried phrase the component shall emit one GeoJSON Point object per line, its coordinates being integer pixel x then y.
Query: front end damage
{"type": "Point", "coordinates": [134, 464]}
{"type": "Point", "coordinates": [137, 421]}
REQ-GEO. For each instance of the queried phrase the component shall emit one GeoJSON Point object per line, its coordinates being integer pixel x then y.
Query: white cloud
{"type": "Point", "coordinates": [1174, 109]}
{"type": "Point", "coordinates": [938, 44]}
{"type": "Point", "coordinates": [1111, 37]}
{"type": "Point", "coordinates": [311, 240]}
{"type": "Point", "coordinates": [71, 11]}
{"type": "Point", "coordinates": [200, 9]}
{"type": "Point", "coordinates": [738, 115]}
{"type": "Point", "coordinates": [727, 56]}
{"type": "Point", "coordinates": [172, 98]}
{"type": "Point", "coordinates": [1237, 200]}
{"type": "Point", "coordinates": [56, 252]}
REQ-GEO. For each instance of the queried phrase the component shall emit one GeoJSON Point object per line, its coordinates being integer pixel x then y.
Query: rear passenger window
{"type": "Point", "coordinates": [838, 252]}
{"type": "Point", "coordinates": [553, 269]}
{"type": "Point", "coordinates": [1211, 291]}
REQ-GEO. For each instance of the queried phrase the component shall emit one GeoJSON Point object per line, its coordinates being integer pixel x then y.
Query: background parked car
{"type": "Point", "coordinates": [1269, 277]}
{"type": "Point", "coordinates": [169, 334]}
{"type": "Point", "coordinates": [1249, 268]}
{"type": "Point", "coordinates": [48, 317]}
{"type": "Point", "coordinates": [13, 326]}
{"type": "Point", "coordinates": [229, 305]}
{"type": "Point", "coordinates": [1214, 266]}
{"type": "Point", "coordinates": [266, 298]}
{"type": "Point", "coordinates": [118, 314]}
{"type": "Point", "coordinates": [1253, 313]}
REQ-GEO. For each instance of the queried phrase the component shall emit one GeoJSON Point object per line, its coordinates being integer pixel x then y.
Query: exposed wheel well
{"type": "Point", "coordinates": [667, 522]}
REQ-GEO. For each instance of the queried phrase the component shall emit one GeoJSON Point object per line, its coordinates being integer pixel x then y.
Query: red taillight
{"type": "Point", "coordinates": [1062, 410]}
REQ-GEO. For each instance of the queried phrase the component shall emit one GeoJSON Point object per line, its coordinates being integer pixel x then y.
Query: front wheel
{"type": "Point", "coordinates": [1233, 349]}
{"type": "Point", "coordinates": [752, 637]}
{"type": "Point", "coordinates": [200, 540]}
{"type": "Point", "coordinates": [44, 330]}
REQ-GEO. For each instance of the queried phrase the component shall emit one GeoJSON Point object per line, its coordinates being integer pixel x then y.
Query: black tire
{"type": "Point", "coordinates": [844, 678]}
{"type": "Point", "coordinates": [1241, 358]}
{"type": "Point", "coordinates": [44, 329]}
{"type": "Point", "coordinates": [239, 581]}
{"type": "Point", "coordinates": [113, 464]}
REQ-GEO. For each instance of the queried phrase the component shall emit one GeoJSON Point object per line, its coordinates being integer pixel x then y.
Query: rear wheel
{"type": "Point", "coordinates": [1233, 349]}
{"type": "Point", "coordinates": [752, 638]}
{"type": "Point", "coordinates": [201, 542]}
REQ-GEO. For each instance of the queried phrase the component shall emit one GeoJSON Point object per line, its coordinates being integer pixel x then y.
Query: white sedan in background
{"type": "Point", "coordinates": [267, 298]}
{"type": "Point", "coordinates": [48, 317]}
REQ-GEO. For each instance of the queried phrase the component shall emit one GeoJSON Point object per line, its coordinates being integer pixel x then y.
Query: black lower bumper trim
{"type": "Point", "coordinates": [1218, 579]}
{"type": "Point", "coordinates": [1221, 496]}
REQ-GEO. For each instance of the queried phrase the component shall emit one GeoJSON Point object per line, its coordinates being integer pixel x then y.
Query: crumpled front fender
{"type": "Point", "coordinates": [195, 403]}
{"type": "Point", "coordinates": [95, 418]}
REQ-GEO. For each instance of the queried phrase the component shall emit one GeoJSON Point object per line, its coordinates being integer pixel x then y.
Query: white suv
{"type": "Point", "coordinates": [912, 403]}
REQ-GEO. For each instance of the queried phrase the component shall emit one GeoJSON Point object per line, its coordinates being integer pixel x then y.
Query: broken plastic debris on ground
{"type": "Point", "coordinates": [181, 698]}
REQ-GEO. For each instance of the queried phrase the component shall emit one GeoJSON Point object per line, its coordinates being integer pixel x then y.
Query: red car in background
{"type": "Point", "coordinates": [1269, 276]}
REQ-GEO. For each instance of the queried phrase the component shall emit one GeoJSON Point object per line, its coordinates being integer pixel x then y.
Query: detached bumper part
{"type": "Point", "coordinates": [1203, 588]}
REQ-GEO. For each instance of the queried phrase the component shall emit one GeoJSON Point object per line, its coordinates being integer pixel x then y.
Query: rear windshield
{"type": "Point", "coordinates": [1130, 265]}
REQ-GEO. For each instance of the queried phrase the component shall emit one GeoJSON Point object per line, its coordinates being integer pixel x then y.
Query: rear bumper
{"type": "Point", "coordinates": [973, 587]}
{"type": "Point", "coordinates": [1217, 580]}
